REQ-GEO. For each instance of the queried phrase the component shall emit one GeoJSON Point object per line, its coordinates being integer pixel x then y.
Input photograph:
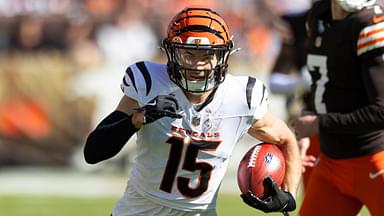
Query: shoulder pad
{"type": "Point", "coordinates": [143, 81]}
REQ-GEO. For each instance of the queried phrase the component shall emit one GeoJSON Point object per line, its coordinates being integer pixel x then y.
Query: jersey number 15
{"type": "Point", "coordinates": [190, 164]}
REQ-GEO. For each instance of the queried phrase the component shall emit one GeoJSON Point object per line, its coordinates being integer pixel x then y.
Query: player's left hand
{"type": "Point", "coordinates": [277, 200]}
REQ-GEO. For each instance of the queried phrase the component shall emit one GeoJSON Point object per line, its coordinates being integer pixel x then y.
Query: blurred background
{"type": "Point", "coordinates": [61, 64]}
{"type": "Point", "coordinates": [62, 61]}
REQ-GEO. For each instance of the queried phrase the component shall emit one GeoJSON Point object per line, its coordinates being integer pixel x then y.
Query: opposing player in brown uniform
{"type": "Point", "coordinates": [345, 107]}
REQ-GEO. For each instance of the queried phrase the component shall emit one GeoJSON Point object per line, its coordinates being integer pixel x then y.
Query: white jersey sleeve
{"type": "Point", "coordinates": [144, 81]}
{"type": "Point", "coordinates": [248, 95]}
{"type": "Point", "coordinates": [256, 96]}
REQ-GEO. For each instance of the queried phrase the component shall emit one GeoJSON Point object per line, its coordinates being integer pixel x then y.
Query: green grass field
{"type": "Point", "coordinates": [228, 205]}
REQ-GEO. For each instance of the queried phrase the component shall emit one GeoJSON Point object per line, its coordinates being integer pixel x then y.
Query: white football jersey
{"type": "Point", "coordinates": [180, 163]}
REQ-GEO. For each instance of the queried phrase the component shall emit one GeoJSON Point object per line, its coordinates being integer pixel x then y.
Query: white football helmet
{"type": "Point", "coordinates": [355, 5]}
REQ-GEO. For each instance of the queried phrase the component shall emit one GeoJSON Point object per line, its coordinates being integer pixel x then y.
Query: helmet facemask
{"type": "Point", "coordinates": [197, 68]}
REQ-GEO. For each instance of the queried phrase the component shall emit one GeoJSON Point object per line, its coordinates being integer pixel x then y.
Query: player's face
{"type": "Point", "coordinates": [199, 64]}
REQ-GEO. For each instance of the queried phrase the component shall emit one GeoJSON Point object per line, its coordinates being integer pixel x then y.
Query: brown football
{"type": "Point", "coordinates": [260, 161]}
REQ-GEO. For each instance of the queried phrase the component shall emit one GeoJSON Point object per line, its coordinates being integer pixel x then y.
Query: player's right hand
{"type": "Point", "coordinates": [277, 200]}
{"type": "Point", "coordinates": [160, 106]}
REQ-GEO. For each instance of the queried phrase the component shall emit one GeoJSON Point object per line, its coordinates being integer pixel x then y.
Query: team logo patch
{"type": "Point", "coordinates": [207, 125]}
{"type": "Point", "coordinates": [198, 40]}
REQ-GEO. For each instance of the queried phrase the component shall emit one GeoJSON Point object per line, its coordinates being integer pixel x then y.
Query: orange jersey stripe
{"type": "Point", "coordinates": [367, 34]}
{"type": "Point", "coordinates": [371, 42]}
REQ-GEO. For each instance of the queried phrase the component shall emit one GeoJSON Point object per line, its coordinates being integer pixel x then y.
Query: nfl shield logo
{"type": "Point", "coordinates": [268, 158]}
{"type": "Point", "coordinates": [195, 121]}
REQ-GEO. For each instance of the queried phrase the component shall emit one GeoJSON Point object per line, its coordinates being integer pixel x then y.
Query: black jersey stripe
{"type": "Point", "coordinates": [207, 17]}
{"type": "Point", "coordinates": [262, 97]}
{"type": "Point", "coordinates": [125, 82]}
{"type": "Point", "coordinates": [130, 74]}
{"type": "Point", "coordinates": [199, 28]}
{"type": "Point", "coordinates": [148, 81]}
{"type": "Point", "coordinates": [250, 85]}
{"type": "Point", "coordinates": [202, 16]}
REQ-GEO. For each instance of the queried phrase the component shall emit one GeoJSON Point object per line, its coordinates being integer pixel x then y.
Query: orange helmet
{"type": "Point", "coordinates": [202, 29]}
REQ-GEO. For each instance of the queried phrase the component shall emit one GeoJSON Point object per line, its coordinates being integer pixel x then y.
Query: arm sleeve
{"type": "Point", "coordinates": [109, 137]}
{"type": "Point", "coordinates": [367, 118]}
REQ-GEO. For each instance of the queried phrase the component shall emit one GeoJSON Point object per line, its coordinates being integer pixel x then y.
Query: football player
{"type": "Point", "coordinates": [188, 115]}
{"type": "Point", "coordinates": [346, 107]}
